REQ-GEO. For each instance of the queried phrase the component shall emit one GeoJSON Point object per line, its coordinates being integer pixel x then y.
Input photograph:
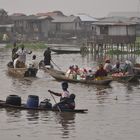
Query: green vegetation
{"type": "Point", "coordinates": [116, 52]}
{"type": "Point", "coordinates": [29, 45]}
{"type": "Point", "coordinates": [137, 40]}
{"type": "Point", "coordinates": [137, 52]}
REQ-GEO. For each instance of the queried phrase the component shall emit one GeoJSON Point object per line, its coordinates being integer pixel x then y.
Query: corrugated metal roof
{"type": "Point", "coordinates": [64, 19]}
{"type": "Point", "coordinates": [115, 21]}
{"type": "Point", "coordinates": [86, 18]}
{"type": "Point", "coordinates": [119, 24]}
{"type": "Point", "coordinates": [54, 13]}
{"type": "Point", "coordinates": [45, 17]}
{"type": "Point", "coordinates": [135, 19]}
{"type": "Point", "coordinates": [30, 17]}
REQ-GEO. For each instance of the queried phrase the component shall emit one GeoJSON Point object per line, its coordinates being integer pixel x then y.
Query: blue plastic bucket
{"type": "Point", "coordinates": [32, 101]}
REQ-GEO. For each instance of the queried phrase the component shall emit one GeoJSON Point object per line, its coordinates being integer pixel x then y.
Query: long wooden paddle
{"type": "Point", "coordinates": [55, 101]}
{"type": "Point", "coordinates": [56, 65]}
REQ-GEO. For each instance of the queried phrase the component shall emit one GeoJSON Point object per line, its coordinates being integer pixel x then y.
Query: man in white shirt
{"type": "Point", "coordinates": [34, 64]}
{"type": "Point", "coordinates": [32, 68]}
{"type": "Point", "coordinates": [22, 54]}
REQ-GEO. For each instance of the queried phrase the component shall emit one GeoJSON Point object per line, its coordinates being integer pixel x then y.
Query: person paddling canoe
{"type": "Point", "coordinates": [47, 56]}
{"type": "Point", "coordinates": [66, 99]}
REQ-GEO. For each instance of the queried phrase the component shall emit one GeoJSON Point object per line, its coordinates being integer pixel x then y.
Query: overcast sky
{"type": "Point", "coordinates": [96, 8]}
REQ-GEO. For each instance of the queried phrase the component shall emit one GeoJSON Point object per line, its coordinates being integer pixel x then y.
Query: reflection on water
{"type": "Point", "coordinates": [67, 121]}
{"type": "Point", "coordinates": [16, 113]}
{"type": "Point", "coordinates": [32, 116]}
{"type": "Point", "coordinates": [21, 82]}
{"type": "Point", "coordinates": [102, 96]}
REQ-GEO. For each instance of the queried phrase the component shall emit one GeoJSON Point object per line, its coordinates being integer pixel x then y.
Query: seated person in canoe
{"type": "Point", "coordinates": [66, 99]}
{"type": "Point", "coordinates": [100, 73]}
{"type": "Point", "coordinates": [34, 63]}
{"type": "Point", "coordinates": [128, 68]}
{"type": "Point", "coordinates": [32, 68]}
{"type": "Point", "coordinates": [116, 68]}
{"type": "Point", "coordinates": [108, 66]}
{"type": "Point", "coordinates": [71, 72]}
{"type": "Point", "coordinates": [74, 72]}
{"type": "Point", "coordinates": [90, 75]}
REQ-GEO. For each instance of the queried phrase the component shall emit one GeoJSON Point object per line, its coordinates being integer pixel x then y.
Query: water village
{"type": "Point", "coordinates": [116, 29]}
{"type": "Point", "coordinates": [118, 33]}
{"type": "Point", "coordinates": [74, 77]}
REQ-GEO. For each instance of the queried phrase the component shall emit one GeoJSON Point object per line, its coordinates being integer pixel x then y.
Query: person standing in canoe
{"type": "Point", "coordinates": [22, 57]}
{"type": "Point", "coordinates": [14, 50]}
{"type": "Point", "coordinates": [47, 56]}
{"type": "Point", "coordinates": [66, 99]}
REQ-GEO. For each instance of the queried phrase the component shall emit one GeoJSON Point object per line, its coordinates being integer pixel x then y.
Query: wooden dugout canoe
{"type": "Point", "coordinates": [61, 77]}
{"type": "Point", "coordinates": [65, 51]}
{"type": "Point", "coordinates": [17, 72]}
{"type": "Point", "coordinates": [3, 104]}
{"type": "Point", "coordinates": [126, 78]}
{"type": "Point", "coordinates": [21, 72]}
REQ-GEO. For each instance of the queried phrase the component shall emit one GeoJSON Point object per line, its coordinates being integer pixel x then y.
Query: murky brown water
{"type": "Point", "coordinates": [107, 118]}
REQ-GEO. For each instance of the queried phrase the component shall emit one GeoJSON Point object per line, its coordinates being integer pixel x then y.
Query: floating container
{"type": "Point", "coordinates": [46, 104]}
{"type": "Point", "coordinates": [13, 100]}
{"type": "Point", "coordinates": [32, 101]}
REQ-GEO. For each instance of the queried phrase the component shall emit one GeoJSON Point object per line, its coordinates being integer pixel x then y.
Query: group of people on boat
{"type": "Point", "coordinates": [103, 70]}
{"type": "Point", "coordinates": [119, 69]}
{"type": "Point", "coordinates": [19, 58]}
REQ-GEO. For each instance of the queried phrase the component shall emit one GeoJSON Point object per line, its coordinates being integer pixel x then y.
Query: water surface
{"type": "Point", "coordinates": [107, 118]}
